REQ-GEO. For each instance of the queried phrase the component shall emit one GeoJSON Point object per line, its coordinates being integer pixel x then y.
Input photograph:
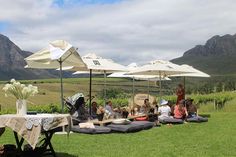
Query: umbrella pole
{"type": "Point", "coordinates": [133, 89]}
{"type": "Point", "coordinates": [62, 102]}
{"type": "Point", "coordinates": [184, 87]}
{"type": "Point", "coordinates": [105, 91]}
{"type": "Point", "coordinates": [90, 91]}
{"type": "Point", "coordinates": [160, 84]}
{"type": "Point", "coordinates": [148, 88]}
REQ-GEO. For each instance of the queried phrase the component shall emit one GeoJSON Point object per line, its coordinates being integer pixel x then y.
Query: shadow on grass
{"type": "Point", "coordinates": [60, 154]}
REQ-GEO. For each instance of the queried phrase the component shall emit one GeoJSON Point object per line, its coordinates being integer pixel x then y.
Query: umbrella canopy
{"type": "Point", "coordinates": [194, 72]}
{"type": "Point", "coordinates": [98, 64]}
{"type": "Point", "coordinates": [160, 68]}
{"type": "Point", "coordinates": [134, 66]}
{"type": "Point", "coordinates": [57, 53]}
{"type": "Point", "coordinates": [50, 57]}
{"type": "Point", "coordinates": [138, 77]}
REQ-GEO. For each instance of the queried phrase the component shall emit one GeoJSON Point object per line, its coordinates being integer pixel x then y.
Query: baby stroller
{"type": "Point", "coordinates": [76, 106]}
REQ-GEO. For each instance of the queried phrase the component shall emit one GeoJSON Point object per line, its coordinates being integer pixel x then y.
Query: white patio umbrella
{"type": "Point", "coordinates": [58, 53]}
{"type": "Point", "coordinates": [194, 73]}
{"type": "Point", "coordinates": [133, 66]}
{"type": "Point", "coordinates": [98, 64]}
{"type": "Point", "coordinates": [159, 68]}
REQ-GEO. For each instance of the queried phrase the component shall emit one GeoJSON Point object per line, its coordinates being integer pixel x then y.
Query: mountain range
{"type": "Point", "coordinates": [12, 63]}
{"type": "Point", "coordinates": [216, 57]}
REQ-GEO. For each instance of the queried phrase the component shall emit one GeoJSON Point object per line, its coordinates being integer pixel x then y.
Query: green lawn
{"type": "Point", "coordinates": [214, 138]}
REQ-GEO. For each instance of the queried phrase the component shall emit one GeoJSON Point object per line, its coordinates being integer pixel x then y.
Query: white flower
{"type": "Point", "coordinates": [20, 91]}
{"type": "Point", "coordinates": [6, 87]}
{"type": "Point", "coordinates": [13, 80]}
{"type": "Point", "coordinates": [25, 90]}
{"type": "Point", "coordinates": [17, 84]}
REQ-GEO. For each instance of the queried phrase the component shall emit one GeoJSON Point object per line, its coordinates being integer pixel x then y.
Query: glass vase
{"type": "Point", "coordinates": [21, 107]}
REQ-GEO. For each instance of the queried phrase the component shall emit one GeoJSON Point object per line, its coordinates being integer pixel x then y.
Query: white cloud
{"type": "Point", "coordinates": [128, 31]}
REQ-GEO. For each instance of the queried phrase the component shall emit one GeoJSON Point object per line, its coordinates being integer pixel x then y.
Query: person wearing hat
{"type": "Point", "coordinates": [180, 111]}
{"type": "Point", "coordinates": [163, 111]}
{"type": "Point", "coordinates": [193, 113]}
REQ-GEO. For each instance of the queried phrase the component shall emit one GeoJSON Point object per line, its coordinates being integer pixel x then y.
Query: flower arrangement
{"type": "Point", "coordinates": [20, 91]}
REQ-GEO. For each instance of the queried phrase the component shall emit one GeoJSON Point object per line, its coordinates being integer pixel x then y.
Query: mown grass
{"type": "Point", "coordinates": [214, 138]}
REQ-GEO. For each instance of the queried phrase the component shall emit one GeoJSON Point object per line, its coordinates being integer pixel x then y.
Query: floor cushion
{"type": "Point", "coordinates": [96, 130]}
{"type": "Point", "coordinates": [132, 127]}
{"type": "Point", "coordinates": [171, 120]}
{"type": "Point", "coordinates": [197, 119]}
{"type": "Point", "coordinates": [145, 124]}
{"type": "Point", "coordinates": [121, 121]}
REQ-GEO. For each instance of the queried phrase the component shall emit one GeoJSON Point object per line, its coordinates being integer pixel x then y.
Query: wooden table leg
{"type": "Point", "coordinates": [19, 143]}
{"type": "Point", "coordinates": [47, 143]}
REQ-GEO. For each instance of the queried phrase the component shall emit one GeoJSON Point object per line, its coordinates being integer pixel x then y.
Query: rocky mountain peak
{"type": "Point", "coordinates": [215, 46]}
{"type": "Point", "coordinates": [12, 62]}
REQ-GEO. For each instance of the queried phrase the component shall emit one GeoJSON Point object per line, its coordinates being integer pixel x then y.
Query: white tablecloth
{"type": "Point", "coordinates": [30, 127]}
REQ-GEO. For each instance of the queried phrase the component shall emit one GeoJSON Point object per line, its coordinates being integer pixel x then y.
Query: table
{"type": "Point", "coordinates": [107, 121]}
{"type": "Point", "coordinates": [31, 127]}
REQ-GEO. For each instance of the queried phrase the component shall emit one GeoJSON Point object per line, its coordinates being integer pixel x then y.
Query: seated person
{"type": "Point", "coordinates": [155, 107]}
{"type": "Point", "coordinates": [193, 113]}
{"type": "Point", "coordinates": [124, 112]}
{"type": "Point", "coordinates": [164, 112]}
{"type": "Point", "coordinates": [180, 111]}
{"type": "Point", "coordinates": [172, 107]}
{"type": "Point", "coordinates": [117, 112]}
{"type": "Point", "coordinates": [144, 109]}
{"type": "Point", "coordinates": [100, 113]}
{"type": "Point", "coordinates": [109, 109]}
{"type": "Point", "coordinates": [94, 109]}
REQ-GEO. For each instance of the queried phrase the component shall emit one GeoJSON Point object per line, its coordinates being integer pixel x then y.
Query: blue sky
{"type": "Point", "coordinates": [3, 26]}
{"type": "Point", "coordinates": [84, 2]}
{"type": "Point", "coordinates": [124, 30]}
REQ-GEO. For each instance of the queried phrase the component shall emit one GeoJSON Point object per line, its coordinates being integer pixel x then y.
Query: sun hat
{"type": "Point", "coordinates": [163, 102]}
{"type": "Point", "coordinates": [189, 99]}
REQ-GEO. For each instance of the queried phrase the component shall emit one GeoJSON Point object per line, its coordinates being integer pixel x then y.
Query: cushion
{"type": "Point", "coordinates": [121, 121]}
{"type": "Point", "coordinates": [172, 120]}
{"type": "Point", "coordinates": [145, 124]}
{"type": "Point", "coordinates": [132, 127]}
{"type": "Point", "coordinates": [86, 125]}
{"type": "Point", "coordinates": [96, 130]}
{"type": "Point", "coordinates": [197, 119]}
{"type": "Point", "coordinates": [141, 118]}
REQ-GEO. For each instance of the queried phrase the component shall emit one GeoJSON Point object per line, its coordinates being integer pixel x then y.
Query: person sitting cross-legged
{"type": "Point", "coordinates": [94, 109]}
{"type": "Point", "coordinates": [180, 111]}
{"type": "Point", "coordinates": [164, 112]}
{"type": "Point", "coordinates": [193, 113]}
